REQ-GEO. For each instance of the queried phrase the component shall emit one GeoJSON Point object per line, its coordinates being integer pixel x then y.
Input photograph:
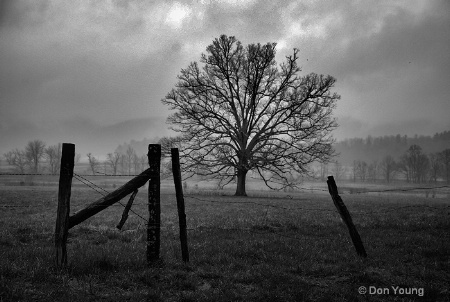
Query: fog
{"type": "Point", "coordinates": [93, 72]}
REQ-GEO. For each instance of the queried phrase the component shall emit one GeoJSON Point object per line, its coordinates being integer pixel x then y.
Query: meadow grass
{"type": "Point", "coordinates": [275, 248]}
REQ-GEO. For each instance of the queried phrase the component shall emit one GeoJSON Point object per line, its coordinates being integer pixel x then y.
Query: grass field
{"type": "Point", "coordinates": [269, 247]}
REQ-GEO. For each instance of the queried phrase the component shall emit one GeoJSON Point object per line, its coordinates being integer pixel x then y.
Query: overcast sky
{"type": "Point", "coordinates": [93, 72]}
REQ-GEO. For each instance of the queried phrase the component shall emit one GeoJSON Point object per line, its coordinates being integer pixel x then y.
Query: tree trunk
{"type": "Point", "coordinates": [240, 190]}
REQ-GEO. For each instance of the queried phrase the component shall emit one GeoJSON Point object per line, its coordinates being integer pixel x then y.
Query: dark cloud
{"type": "Point", "coordinates": [401, 42]}
{"type": "Point", "coordinates": [22, 14]}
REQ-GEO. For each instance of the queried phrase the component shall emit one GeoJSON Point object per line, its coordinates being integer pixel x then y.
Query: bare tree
{"type": "Point", "coordinates": [355, 170]}
{"type": "Point", "coordinates": [123, 163]}
{"type": "Point", "coordinates": [338, 170]}
{"type": "Point", "coordinates": [136, 163]}
{"type": "Point", "coordinates": [435, 166]}
{"type": "Point", "coordinates": [415, 164]}
{"type": "Point", "coordinates": [129, 158]}
{"type": "Point", "coordinates": [372, 171]}
{"type": "Point", "coordinates": [113, 161]}
{"type": "Point", "coordinates": [34, 151]}
{"type": "Point", "coordinates": [445, 161]}
{"type": "Point", "coordinates": [93, 163]}
{"type": "Point", "coordinates": [144, 162]}
{"type": "Point", "coordinates": [53, 155]}
{"type": "Point", "coordinates": [388, 167]}
{"type": "Point", "coordinates": [323, 170]}
{"type": "Point", "coordinates": [17, 159]}
{"type": "Point", "coordinates": [362, 170]}
{"type": "Point", "coordinates": [241, 112]}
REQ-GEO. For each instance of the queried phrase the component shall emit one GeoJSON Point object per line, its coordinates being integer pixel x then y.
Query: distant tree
{"type": "Point", "coordinates": [122, 162]}
{"type": "Point", "coordinates": [355, 170]}
{"type": "Point", "coordinates": [129, 158]}
{"type": "Point", "coordinates": [53, 155]}
{"type": "Point", "coordinates": [445, 161]}
{"type": "Point", "coordinates": [34, 151]}
{"type": "Point", "coordinates": [388, 168]}
{"type": "Point", "coordinates": [136, 163]}
{"type": "Point", "coordinates": [372, 171]}
{"type": "Point", "coordinates": [423, 169]}
{"type": "Point", "coordinates": [323, 170]}
{"type": "Point", "coordinates": [435, 166]}
{"type": "Point", "coordinates": [144, 162]}
{"type": "Point", "coordinates": [17, 159]}
{"type": "Point", "coordinates": [338, 170]}
{"type": "Point", "coordinates": [93, 163]}
{"type": "Point", "coordinates": [361, 170]}
{"type": "Point", "coordinates": [113, 161]}
{"type": "Point", "coordinates": [241, 112]}
{"type": "Point", "coordinates": [415, 164]}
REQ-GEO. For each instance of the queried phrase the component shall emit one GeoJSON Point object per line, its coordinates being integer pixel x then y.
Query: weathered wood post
{"type": "Point", "coordinates": [180, 203]}
{"type": "Point", "coordinates": [62, 215]}
{"type": "Point", "coordinates": [127, 210]}
{"type": "Point", "coordinates": [345, 215]}
{"type": "Point", "coordinates": [154, 205]}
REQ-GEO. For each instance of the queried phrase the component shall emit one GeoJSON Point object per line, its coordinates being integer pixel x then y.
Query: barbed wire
{"type": "Point", "coordinates": [94, 186]}
{"type": "Point", "coordinates": [399, 190]}
{"type": "Point", "coordinates": [168, 175]}
{"type": "Point", "coordinates": [99, 174]}
{"type": "Point", "coordinates": [25, 174]}
{"type": "Point", "coordinates": [98, 189]}
{"type": "Point", "coordinates": [319, 209]}
{"type": "Point", "coordinates": [258, 204]}
{"type": "Point", "coordinates": [88, 183]}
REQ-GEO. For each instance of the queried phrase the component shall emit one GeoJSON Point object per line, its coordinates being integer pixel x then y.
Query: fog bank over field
{"type": "Point", "coordinates": [93, 72]}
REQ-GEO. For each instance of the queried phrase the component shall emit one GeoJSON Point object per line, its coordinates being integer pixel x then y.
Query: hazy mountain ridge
{"type": "Point", "coordinates": [375, 148]}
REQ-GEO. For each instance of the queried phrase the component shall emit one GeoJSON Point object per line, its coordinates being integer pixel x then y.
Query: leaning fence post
{"type": "Point", "coordinates": [180, 203]}
{"type": "Point", "coordinates": [62, 215]}
{"type": "Point", "coordinates": [345, 215]}
{"type": "Point", "coordinates": [154, 206]}
{"type": "Point", "coordinates": [127, 210]}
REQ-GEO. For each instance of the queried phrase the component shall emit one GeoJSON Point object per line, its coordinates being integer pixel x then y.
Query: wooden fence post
{"type": "Point", "coordinates": [154, 205]}
{"type": "Point", "coordinates": [127, 210]}
{"type": "Point", "coordinates": [62, 215]}
{"type": "Point", "coordinates": [180, 203]}
{"type": "Point", "coordinates": [345, 215]}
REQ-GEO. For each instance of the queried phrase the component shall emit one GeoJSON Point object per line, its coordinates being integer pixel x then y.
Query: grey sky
{"type": "Point", "coordinates": [94, 72]}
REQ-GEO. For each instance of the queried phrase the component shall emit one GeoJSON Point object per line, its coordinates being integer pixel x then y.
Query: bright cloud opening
{"type": "Point", "coordinates": [177, 14]}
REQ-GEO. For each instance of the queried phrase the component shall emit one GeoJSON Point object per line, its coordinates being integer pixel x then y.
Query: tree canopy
{"type": "Point", "coordinates": [238, 111]}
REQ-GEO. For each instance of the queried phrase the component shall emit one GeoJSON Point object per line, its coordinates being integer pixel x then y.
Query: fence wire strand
{"type": "Point", "coordinates": [94, 186]}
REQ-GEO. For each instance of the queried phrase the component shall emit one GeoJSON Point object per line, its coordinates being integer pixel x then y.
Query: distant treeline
{"type": "Point", "coordinates": [418, 159]}
{"type": "Point", "coordinates": [376, 148]}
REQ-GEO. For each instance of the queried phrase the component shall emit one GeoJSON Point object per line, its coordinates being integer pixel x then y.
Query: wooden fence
{"type": "Point", "coordinates": [65, 221]}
